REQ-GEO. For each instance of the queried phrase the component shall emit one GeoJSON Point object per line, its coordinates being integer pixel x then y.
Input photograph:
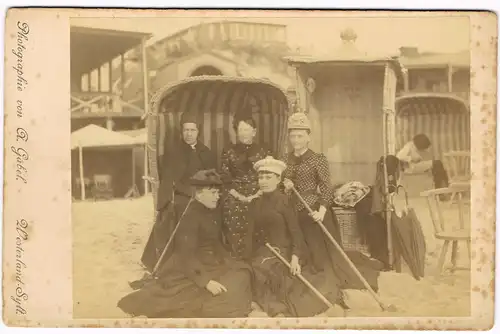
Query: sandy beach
{"type": "Point", "coordinates": [109, 238]}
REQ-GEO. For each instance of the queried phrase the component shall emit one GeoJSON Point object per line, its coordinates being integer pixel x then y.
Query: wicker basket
{"type": "Point", "coordinates": [351, 240]}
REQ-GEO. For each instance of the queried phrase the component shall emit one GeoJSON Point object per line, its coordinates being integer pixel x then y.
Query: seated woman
{"type": "Point", "coordinates": [200, 279]}
{"type": "Point", "coordinates": [416, 158]}
{"type": "Point", "coordinates": [275, 222]}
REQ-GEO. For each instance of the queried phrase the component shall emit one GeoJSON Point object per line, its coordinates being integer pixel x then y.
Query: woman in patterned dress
{"type": "Point", "coordinates": [309, 174]}
{"type": "Point", "coordinates": [241, 181]}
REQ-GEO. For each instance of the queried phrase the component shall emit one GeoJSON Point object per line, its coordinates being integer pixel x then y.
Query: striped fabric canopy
{"type": "Point", "coordinates": [215, 99]}
{"type": "Point", "coordinates": [443, 118]}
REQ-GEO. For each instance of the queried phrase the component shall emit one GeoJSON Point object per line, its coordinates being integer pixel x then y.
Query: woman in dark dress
{"type": "Point", "coordinates": [275, 222]}
{"type": "Point", "coordinates": [240, 181]}
{"type": "Point", "coordinates": [308, 172]}
{"type": "Point", "coordinates": [200, 279]}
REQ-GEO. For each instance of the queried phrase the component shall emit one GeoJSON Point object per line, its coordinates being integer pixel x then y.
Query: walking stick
{"type": "Point", "coordinates": [349, 262]}
{"type": "Point", "coordinates": [164, 252]}
{"type": "Point", "coordinates": [302, 278]}
{"type": "Point", "coordinates": [139, 283]}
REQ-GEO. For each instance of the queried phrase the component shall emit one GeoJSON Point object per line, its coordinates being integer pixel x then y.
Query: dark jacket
{"type": "Point", "coordinates": [198, 252]}
{"type": "Point", "coordinates": [178, 165]}
{"type": "Point", "coordinates": [274, 221]}
{"type": "Point", "coordinates": [378, 189]}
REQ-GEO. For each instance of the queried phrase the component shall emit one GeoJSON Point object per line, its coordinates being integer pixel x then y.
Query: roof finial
{"type": "Point", "coordinates": [348, 35]}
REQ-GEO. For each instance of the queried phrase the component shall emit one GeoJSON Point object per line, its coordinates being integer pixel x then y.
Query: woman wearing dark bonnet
{"type": "Point", "coordinates": [241, 180]}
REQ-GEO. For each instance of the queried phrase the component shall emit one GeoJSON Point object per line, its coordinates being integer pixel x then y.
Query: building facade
{"type": "Point", "coordinates": [436, 72]}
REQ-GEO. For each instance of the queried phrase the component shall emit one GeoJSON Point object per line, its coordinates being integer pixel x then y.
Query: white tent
{"type": "Point", "coordinates": [140, 137]}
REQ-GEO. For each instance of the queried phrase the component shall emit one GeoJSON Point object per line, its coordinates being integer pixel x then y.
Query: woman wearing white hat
{"type": "Point", "coordinates": [274, 221]}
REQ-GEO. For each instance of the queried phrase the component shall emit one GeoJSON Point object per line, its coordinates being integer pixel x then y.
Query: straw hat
{"type": "Point", "coordinates": [269, 164]}
{"type": "Point", "coordinates": [299, 121]}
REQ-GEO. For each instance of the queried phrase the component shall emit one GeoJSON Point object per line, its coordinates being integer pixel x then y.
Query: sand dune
{"type": "Point", "coordinates": [109, 237]}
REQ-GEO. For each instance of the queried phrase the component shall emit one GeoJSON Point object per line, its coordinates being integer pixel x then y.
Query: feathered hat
{"type": "Point", "coordinates": [206, 178]}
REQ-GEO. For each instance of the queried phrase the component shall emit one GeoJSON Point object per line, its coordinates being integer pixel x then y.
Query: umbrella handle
{"type": "Point", "coordinates": [406, 195]}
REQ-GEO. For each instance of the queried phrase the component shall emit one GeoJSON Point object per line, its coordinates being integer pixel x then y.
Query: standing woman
{"type": "Point", "coordinates": [241, 180]}
{"type": "Point", "coordinates": [309, 174]}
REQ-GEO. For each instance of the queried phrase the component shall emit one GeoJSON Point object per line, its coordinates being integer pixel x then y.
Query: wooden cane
{"type": "Point", "coordinates": [344, 255]}
{"type": "Point", "coordinates": [302, 278]}
{"type": "Point", "coordinates": [164, 252]}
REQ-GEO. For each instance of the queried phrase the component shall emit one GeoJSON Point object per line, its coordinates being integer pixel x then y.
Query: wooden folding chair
{"type": "Point", "coordinates": [442, 229]}
{"type": "Point", "coordinates": [458, 163]}
{"type": "Point", "coordinates": [458, 167]}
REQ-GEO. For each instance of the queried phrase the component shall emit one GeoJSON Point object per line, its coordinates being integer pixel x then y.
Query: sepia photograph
{"type": "Point", "coordinates": [249, 169]}
{"type": "Point", "coordinates": [230, 169]}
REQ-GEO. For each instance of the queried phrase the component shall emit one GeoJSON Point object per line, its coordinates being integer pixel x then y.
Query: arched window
{"type": "Point", "coordinates": [205, 70]}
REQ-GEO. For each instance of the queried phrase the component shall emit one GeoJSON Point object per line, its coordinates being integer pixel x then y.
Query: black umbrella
{"type": "Point", "coordinates": [409, 240]}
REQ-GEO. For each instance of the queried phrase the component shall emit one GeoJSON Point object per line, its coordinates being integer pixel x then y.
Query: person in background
{"type": "Point", "coordinates": [416, 158]}
{"type": "Point", "coordinates": [179, 163]}
{"type": "Point", "coordinates": [200, 279]}
{"type": "Point", "coordinates": [241, 180]}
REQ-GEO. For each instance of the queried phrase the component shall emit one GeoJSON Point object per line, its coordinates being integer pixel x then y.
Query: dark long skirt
{"type": "Point", "coordinates": [165, 223]}
{"type": "Point", "coordinates": [325, 258]}
{"type": "Point", "coordinates": [175, 296]}
{"type": "Point", "coordinates": [277, 291]}
{"type": "Point", "coordinates": [236, 218]}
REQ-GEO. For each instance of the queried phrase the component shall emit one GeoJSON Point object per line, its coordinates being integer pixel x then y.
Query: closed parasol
{"type": "Point", "coordinates": [408, 239]}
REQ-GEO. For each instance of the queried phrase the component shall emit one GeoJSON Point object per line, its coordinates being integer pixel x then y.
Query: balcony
{"type": "Point", "coordinates": [98, 71]}
{"type": "Point", "coordinates": [103, 104]}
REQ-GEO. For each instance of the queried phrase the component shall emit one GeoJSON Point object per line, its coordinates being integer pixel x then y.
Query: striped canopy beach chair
{"type": "Point", "coordinates": [215, 99]}
{"type": "Point", "coordinates": [444, 118]}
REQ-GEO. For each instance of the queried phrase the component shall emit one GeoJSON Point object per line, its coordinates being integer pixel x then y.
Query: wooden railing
{"type": "Point", "coordinates": [99, 102]}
